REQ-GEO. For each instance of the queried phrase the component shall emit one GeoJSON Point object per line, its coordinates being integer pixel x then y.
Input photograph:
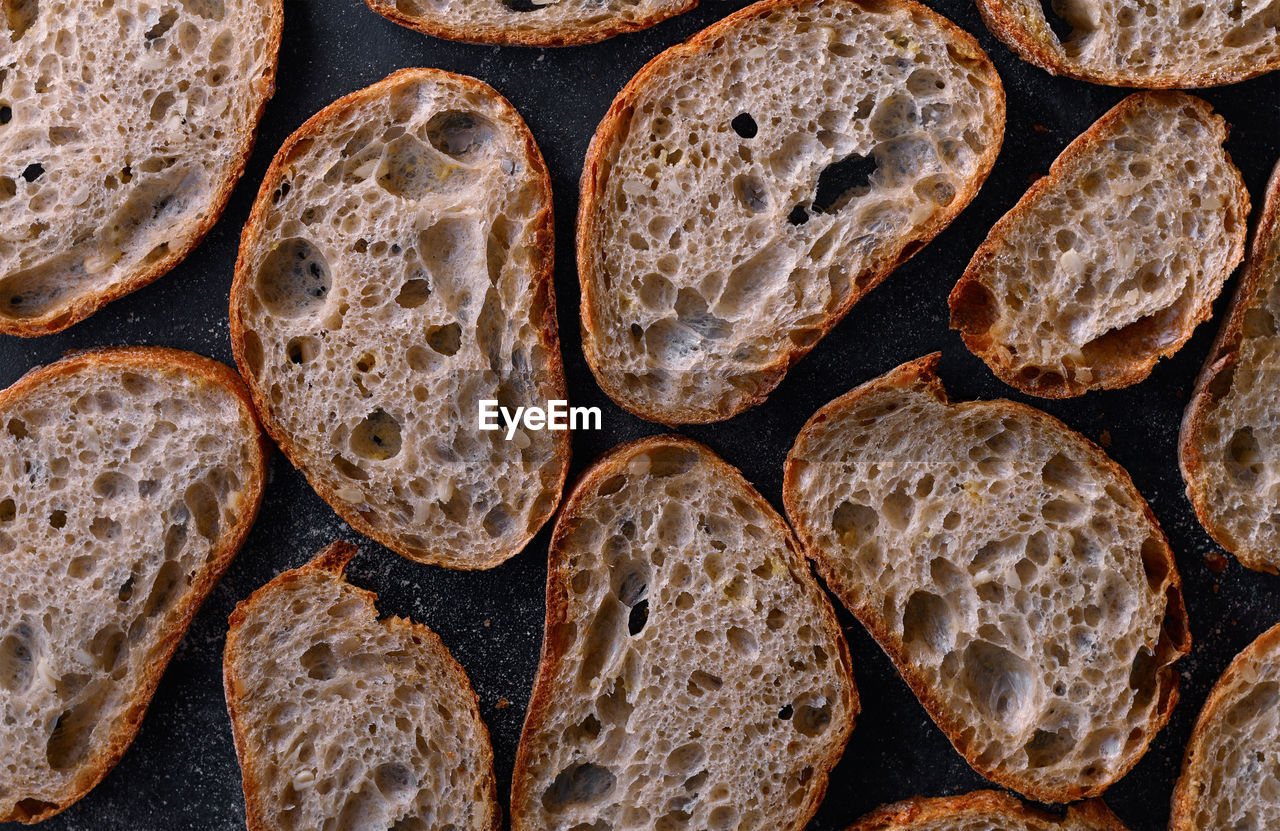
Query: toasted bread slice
{"type": "Point", "coordinates": [1108, 263]}
{"type": "Point", "coordinates": [395, 272]}
{"type": "Point", "coordinates": [131, 477]}
{"type": "Point", "coordinates": [1011, 570]}
{"type": "Point", "coordinates": [986, 811]}
{"type": "Point", "coordinates": [529, 22]}
{"type": "Point", "coordinates": [1229, 448]}
{"type": "Point", "coordinates": [1171, 44]}
{"type": "Point", "coordinates": [123, 129]}
{"type": "Point", "coordinates": [693, 673]}
{"type": "Point", "coordinates": [342, 720]}
{"type": "Point", "coordinates": [1229, 777]}
{"type": "Point", "coordinates": [749, 186]}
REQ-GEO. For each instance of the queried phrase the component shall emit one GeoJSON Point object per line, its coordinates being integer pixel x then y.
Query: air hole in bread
{"type": "Point", "coordinates": [798, 215]}
{"type": "Point", "coordinates": [8, 510]}
{"type": "Point", "coordinates": [162, 26]}
{"type": "Point", "coordinates": [302, 349]}
{"type": "Point", "coordinates": [32, 172]}
{"type": "Point", "coordinates": [527, 5]}
{"type": "Point", "coordinates": [1058, 14]}
{"type": "Point", "coordinates": [377, 437]}
{"type": "Point", "coordinates": [413, 293]}
{"type": "Point", "coordinates": [1046, 748]}
{"type": "Point", "coordinates": [579, 784]}
{"type": "Point", "coordinates": [409, 169]}
{"type": "Point", "coordinates": [17, 659]}
{"type": "Point", "coordinates": [998, 682]}
{"type": "Point", "coordinates": [446, 339]}
{"type": "Point", "coordinates": [812, 720]}
{"type": "Point", "coordinates": [104, 529]}
{"type": "Point", "coordinates": [20, 15]}
{"type": "Point", "coordinates": [974, 311]}
{"type": "Point", "coordinates": [749, 190]}
{"type": "Point", "coordinates": [208, 9]}
{"type": "Point", "coordinates": [58, 519]}
{"type": "Point", "coordinates": [204, 508]}
{"type": "Point", "coordinates": [69, 740]}
{"type": "Point", "coordinates": [1244, 459]}
{"type": "Point", "coordinates": [6, 114]}
{"type": "Point", "coordinates": [294, 280]}
{"type": "Point", "coordinates": [669, 461]}
{"type": "Point", "coordinates": [318, 661]}
{"type": "Point", "coordinates": [602, 640]}
{"type": "Point", "coordinates": [744, 125]}
{"type": "Point", "coordinates": [1261, 701]}
{"type": "Point", "coordinates": [928, 623]}
{"type": "Point", "coordinates": [461, 135]}
{"type": "Point", "coordinates": [851, 176]}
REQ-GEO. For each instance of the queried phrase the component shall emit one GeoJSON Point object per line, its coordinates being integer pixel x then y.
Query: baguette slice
{"type": "Point", "coordinates": [693, 673]}
{"type": "Point", "coordinates": [123, 128]}
{"type": "Point", "coordinates": [395, 272]}
{"type": "Point", "coordinates": [130, 479]}
{"type": "Point", "coordinates": [1229, 778]}
{"type": "Point", "coordinates": [1230, 444]}
{"type": "Point", "coordinates": [344, 721]}
{"type": "Point", "coordinates": [1108, 263]}
{"type": "Point", "coordinates": [749, 186]}
{"type": "Point", "coordinates": [1010, 570]}
{"type": "Point", "coordinates": [1171, 44]}
{"type": "Point", "coordinates": [986, 811]}
{"type": "Point", "coordinates": [529, 22]}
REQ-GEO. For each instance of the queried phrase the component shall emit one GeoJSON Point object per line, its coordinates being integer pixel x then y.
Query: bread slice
{"type": "Point", "coordinates": [1108, 263]}
{"type": "Point", "coordinates": [749, 186]}
{"type": "Point", "coordinates": [1171, 44]}
{"type": "Point", "coordinates": [1229, 778]}
{"type": "Point", "coordinates": [1229, 448]}
{"type": "Point", "coordinates": [529, 22]}
{"type": "Point", "coordinates": [986, 811]}
{"type": "Point", "coordinates": [1010, 570]}
{"type": "Point", "coordinates": [344, 721]}
{"type": "Point", "coordinates": [124, 128]}
{"type": "Point", "coordinates": [693, 673]}
{"type": "Point", "coordinates": [395, 272]}
{"type": "Point", "coordinates": [130, 479]}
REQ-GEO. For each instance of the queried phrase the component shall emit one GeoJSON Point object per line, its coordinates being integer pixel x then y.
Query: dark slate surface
{"type": "Point", "coordinates": [181, 772]}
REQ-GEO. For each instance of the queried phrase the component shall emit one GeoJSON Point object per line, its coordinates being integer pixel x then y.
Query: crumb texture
{"type": "Point", "coordinates": [529, 22]}
{"type": "Point", "coordinates": [123, 126]}
{"type": "Point", "coordinates": [1110, 262]}
{"type": "Point", "coordinates": [397, 272]}
{"type": "Point", "coordinates": [985, 811]}
{"type": "Point", "coordinates": [748, 187]}
{"type": "Point", "coordinates": [697, 677]}
{"type": "Point", "coordinates": [1007, 566]}
{"type": "Point", "coordinates": [123, 493]}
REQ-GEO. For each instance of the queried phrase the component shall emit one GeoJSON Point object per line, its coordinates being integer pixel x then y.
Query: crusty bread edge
{"type": "Point", "coordinates": [332, 562]}
{"type": "Point", "coordinates": [920, 811]}
{"type": "Point", "coordinates": [614, 128]}
{"type": "Point", "coordinates": [1005, 25]}
{"type": "Point", "coordinates": [999, 233]}
{"type": "Point", "coordinates": [94, 768]}
{"type": "Point", "coordinates": [555, 640]}
{"type": "Point", "coordinates": [65, 316]}
{"type": "Point", "coordinates": [1210, 386]}
{"type": "Point", "coordinates": [542, 232]}
{"type": "Point", "coordinates": [1184, 800]}
{"type": "Point", "coordinates": [502, 36]}
{"type": "Point", "coordinates": [921, 374]}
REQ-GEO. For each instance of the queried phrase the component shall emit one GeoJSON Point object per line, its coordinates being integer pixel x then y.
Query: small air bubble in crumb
{"type": "Point", "coordinates": [502, 704]}
{"type": "Point", "coordinates": [1104, 438]}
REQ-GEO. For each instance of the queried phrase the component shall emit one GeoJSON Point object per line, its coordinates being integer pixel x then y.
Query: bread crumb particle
{"type": "Point", "coordinates": [1104, 438]}
{"type": "Point", "coordinates": [502, 704]}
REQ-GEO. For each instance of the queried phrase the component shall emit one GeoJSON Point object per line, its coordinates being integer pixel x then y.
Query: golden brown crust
{"type": "Point", "coordinates": [556, 637]}
{"type": "Point", "coordinates": [902, 816]}
{"type": "Point", "coordinates": [1215, 377]}
{"type": "Point", "coordinates": [613, 129]}
{"type": "Point", "coordinates": [331, 562]}
{"type": "Point", "coordinates": [1005, 24]}
{"type": "Point", "coordinates": [1185, 796]}
{"type": "Point", "coordinates": [543, 233]}
{"type": "Point", "coordinates": [921, 374]}
{"type": "Point", "coordinates": [500, 36]}
{"type": "Point", "coordinates": [961, 300]}
{"type": "Point", "coordinates": [63, 317]}
{"type": "Point", "coordinates": [209, 371]}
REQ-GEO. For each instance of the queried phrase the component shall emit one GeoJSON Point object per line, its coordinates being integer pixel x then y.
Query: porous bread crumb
{"type": "Point", "coordinates": [985, 811]}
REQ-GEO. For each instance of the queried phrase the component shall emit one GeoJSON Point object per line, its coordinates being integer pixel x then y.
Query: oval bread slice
{"type": "Point", "coordinates": [693, 673]}
{"type": "Point", "coordinates": [1172, 44]}
{"type": "Point", "coordinates": [1108, 263]}
{"type": "Point", "coordinates": [749, 186]}
{"type": "Point", "coordinates": [1230, 444]}
{"type": "Point", "coordinates": [1229, 777]}
{"type": "Point", "coordinates": [1009, 568]}
{"type": "Point", "coordinates": [123, 128]}
{"type": "Point", "coordinates": [986, 811]}
{"type": "Point", "coordinates": [345, 721]}
{"type": "Point", "coordinates": [131, 478]}
{"type": "Point", "coordinates": [529, 22]}
{"type": "Point", "coordinates": [394, 274]}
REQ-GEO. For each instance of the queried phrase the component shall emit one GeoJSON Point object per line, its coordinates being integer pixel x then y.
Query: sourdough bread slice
{"type": "Point", "coordinates": [749, 186]}
{"type": "Point", "coordinates": [395, 272]}
{"type": "Point", "coordinates": [1229, 448]}
{"type": "Point", "coordinates": [344, 721]}
{"type": "Point", "coordinates": [1109, 262]}
{"type": "Point", "coordinates": [1010, 570]}
{"type": "Point", "coordinates": [123, 128]}
{"type": "Point", "coordinates": [985, 811]}
{"type": "Point", "coordinates": [529, 22]}
{"type": "Point", "coordinates": [1174, 43]}
{"type": "Point", "coordinates": [1231, 773]}
{"type": "Point", "coordinates": [693, 673]}
{"type": "Point", "coordinates": [131, 477]}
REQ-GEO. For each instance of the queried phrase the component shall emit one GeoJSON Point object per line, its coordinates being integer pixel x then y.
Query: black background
{"type": "Point", "coordinates": [181, 771]}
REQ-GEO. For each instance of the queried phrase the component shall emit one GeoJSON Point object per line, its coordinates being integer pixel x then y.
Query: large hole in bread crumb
{"type": "Point", "coordinates": [1049, 748]}
{"type": "Point", "coordinates": [208, 9]}
{"type": "Point", "coordinates": [744, 125]}
{"type": "Point", "coordinates": [999, 683]}
{"type": "Point", "coordinates": [17, 659]}
{"type": "Point", "coordinates": [69, 741]}
{"type": "Point", "coordinates": [294, 279]}
{"type": "Point", "coordinates": [19, 15]}
{"type": "Point", "coordinates": [461, 135]}
{"type": "Point", "coordinates": [1244, 459]}
{"type": "Point", "coordinates": [377, 437]}
{"type": "Point", "coordinates": [849, 177]}
{"type": "Point", "coordinates": [973, 311]}
{"type": "Point", "coordinates": [580, 784]}
{"type": "Point", "coordinates": [928, 623]}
